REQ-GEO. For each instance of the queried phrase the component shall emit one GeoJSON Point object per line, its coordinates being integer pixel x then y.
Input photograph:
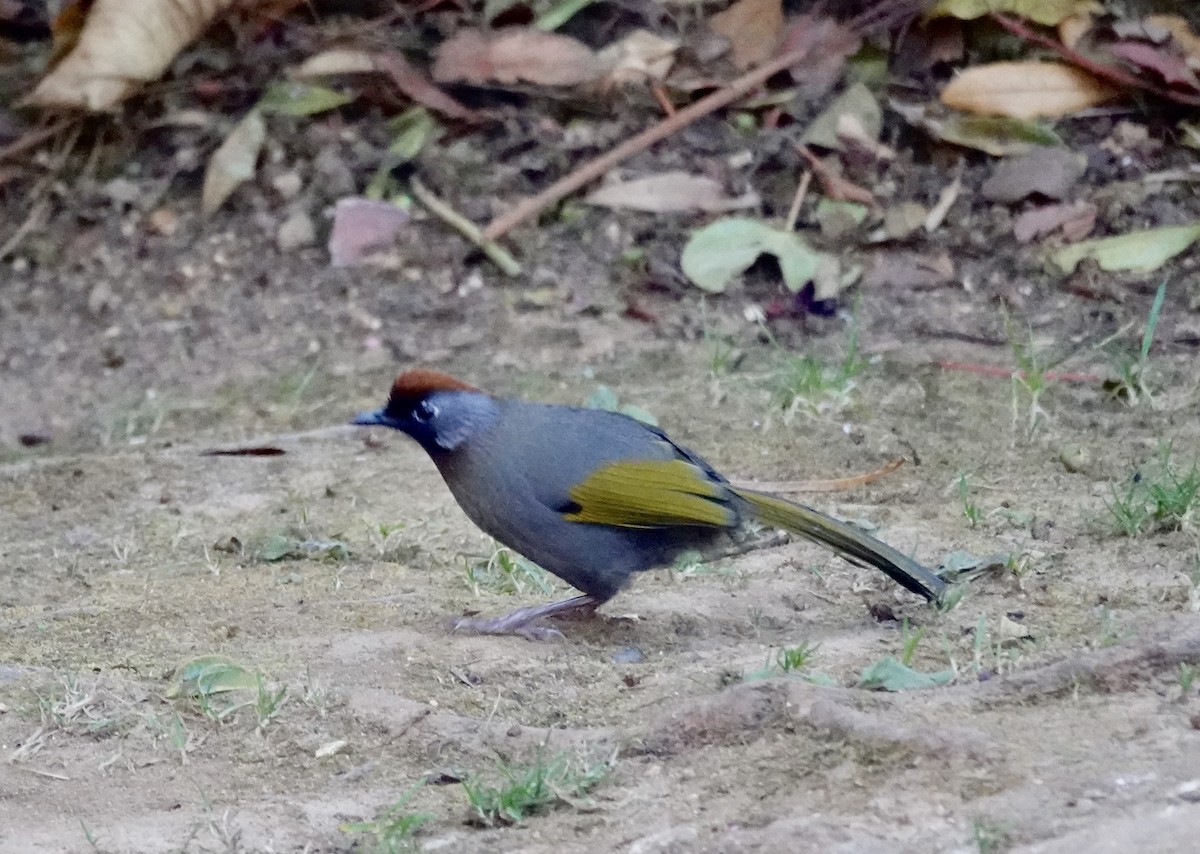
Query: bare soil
{"type": "Point", "coordinates": [124, 552]}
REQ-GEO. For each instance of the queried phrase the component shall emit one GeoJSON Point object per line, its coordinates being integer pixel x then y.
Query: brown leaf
{"type": "Point", "coordinates": [414, 84]}
{"type": "Point", "coordinates": [1024, 90]}
{"type": "Point", "coordinates": [753, 28]}
{"type": "Point", "coordinates": [234, 162]}
{"type": "Point", "coordinates": [1183, 34]}
{"type": "Point", "coordinates": [124, 45]}
{"type": "Point", "coordinates": [669, 191]}
{"type": "Point", "coordinates": [1076, 220]}
{"type": "Point", "coordinates": [1172, 68]}
{"type": "Point", "coordinates": [1048, 171]}
{"type": "Point", "coordinates": [362, 226]}
{"type": "Point", "coordinates": [515, 54]}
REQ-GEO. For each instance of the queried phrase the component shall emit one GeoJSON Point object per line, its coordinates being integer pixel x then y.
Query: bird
{"type": "Point", "coordinates": [594, 496]}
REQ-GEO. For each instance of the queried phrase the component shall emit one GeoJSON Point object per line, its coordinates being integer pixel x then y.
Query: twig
{"type": "Point", "coordinates": [32, 221]}
{"type": "Point", "coordinates": [797, 200]}
{"type": "Point", "coordinates": [836, 485]}
{"type": "Point", "coordinates": [593, 169]}
{"type": "Point", "coordinates": [33, 138]}
{"type": "Point", "coordinates": [507, 263]}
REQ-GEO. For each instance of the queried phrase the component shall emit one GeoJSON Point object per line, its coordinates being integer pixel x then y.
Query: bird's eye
{"type": "Point", "coordinates": [424, 412]}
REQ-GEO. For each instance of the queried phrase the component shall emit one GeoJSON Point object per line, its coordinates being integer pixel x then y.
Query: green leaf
{"type": "Point", "coordinates": [1137, 251]}
{"type": "Point", "coordinates": [411, 131]}
{"type": "Point", "coordinates": [890, 674]}
{"type": "Point", "coordinates": [726, 248]}
{"type": "Point", "coordinates": [301, 99]}
{"type": "Point", "coordinates": [277, 547]}
{"type": "Point", "coordinates": [210, 674]}
{"type": "Point", "coordinates": [560, 13]}
{"type": "Point", "coordinates": [856, 101]}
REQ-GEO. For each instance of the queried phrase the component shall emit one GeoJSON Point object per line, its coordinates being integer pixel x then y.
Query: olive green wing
{"type": "Point", "coordinates": [648, 493]}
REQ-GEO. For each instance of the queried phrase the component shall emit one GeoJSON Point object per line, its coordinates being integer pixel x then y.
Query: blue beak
{"type": "Point", "coordinates": [375, 418]}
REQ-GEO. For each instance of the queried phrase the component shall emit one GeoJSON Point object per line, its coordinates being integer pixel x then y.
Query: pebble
{"type": "Point", "coordinates": [296, 232]}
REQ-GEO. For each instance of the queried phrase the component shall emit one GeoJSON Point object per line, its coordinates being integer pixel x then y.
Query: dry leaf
{"type": "Point", "coordinates": [668, 192]}
{"type": "Point", "coordinates": [753, 28]}
{"type": "Point", "coordinates": [1076, 221]}
{"type": "Point", "coordinates": [336, 61]}
{"type": "Point", "coordinates": [1024, 90]}
{"type": "Point", "coordinates": [234, 162]}
{"type": "Point", "coordinates": [513, 55]}
{"type": "Point", "coordinates": [124, 45]}
{"type": "Point", "coordinates": [1183, 34]}
{"type": "Point", "coordinates": [362, 226]}
{"type": "Point", "coordinates": [638, 57]}
{"type": "Point", "coordinates": [1049, 171]}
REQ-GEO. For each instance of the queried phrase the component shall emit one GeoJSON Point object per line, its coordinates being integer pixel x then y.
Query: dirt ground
{"type": "Point", "coordinates": [1071, 723]}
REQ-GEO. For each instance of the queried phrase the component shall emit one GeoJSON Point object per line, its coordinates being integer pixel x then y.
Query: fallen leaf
{"type": "Point", "coordinates": [946, 199]}
{"type": "Point", "coordinates": [1024, 90]}
{"type": "Point", "coordinates": [234, 162]}
{"type": "Point", "coordinates": [124, 45]}
{"type": "Point", "coordinates": [361, 226]}
{"type": "Point", "coordinates": [1046, 12]}
{"type": "Point", "coordinates": [726, 248]}
{"type": "Point", "coordinates": [753, 28]}
{"type": "Point", "coordinates": [209, 674]}
{"type": "Point", "coordinates": [333, 62]}
{"type": "Point", "coordinates": [1137, 251]}
{"type": "Point", "coordinates": [1172, 68]}
{"type": "Point", "coordinates": [902, 220]}
{"type": "Point", "coordinates": [670, 191]}
{"type": "Point", "coordinates": [515, 54]}
{"type": "Point", "coordinates": [415, 85]}
{"type": "Point", "coordinates": [1179, 29]}
{"type": "Point", "coordinates": [638, 57]}
{"type": "Point", "coordinates": [855, 102]}
{"type": "Point", "coordinates": [907, 269]}
{"type": "Point", "coordinates": [997, 136]}
{"type": "Point", "coordinates": [301, 99]}
{"type": "Point", "coordinates": [1049, 172]}
{"type": "Point", "coordinates": [890, 674]}
{"type": "Point", "coordinates": [833, 184]}
{"type": "Point", "coordinates": [1076, 220]}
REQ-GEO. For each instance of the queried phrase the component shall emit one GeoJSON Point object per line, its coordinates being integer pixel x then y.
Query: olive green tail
{"type": "Point", "coordinates": [855, 545]}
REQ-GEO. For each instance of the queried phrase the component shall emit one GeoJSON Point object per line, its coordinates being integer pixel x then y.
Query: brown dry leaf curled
{"type": "Point", "coordinates": [1023, 90]}
{"type": "Point", "coordinates": [515, 54]}
{"type": "Point", "coordinates": [753, 28]}
{"type": "Point", "coordinates": [234, 162]}
{"type": "Point", "coordinates": [124, 45]}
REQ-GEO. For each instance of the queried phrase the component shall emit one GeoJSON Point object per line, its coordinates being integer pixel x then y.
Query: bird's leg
{"type": "Point", "coordinates": [526, 622]}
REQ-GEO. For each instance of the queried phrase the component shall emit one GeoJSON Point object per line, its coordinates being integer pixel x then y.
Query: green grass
{"type": "Point", "coordinates": [394, 828]}
{"type": "Point", "coordinates": [801, 381]}
{"type": "Point", "coordinates": [529, 789]}
{"type": "Point", "coordinates": [1132, 383]}
{"type": "Point", "coordinates": [990, 837]}
{"type": "Point", "coordinates": [1029, 380]}
{"type": "Point", "coordinates": [972, 512]}
{"type": "Point", "coordinates": [1161, 497]}
{"type": "Point", "coordinates": [1187, 678]}
{"type": "Point", "coordinates": [505, 571]}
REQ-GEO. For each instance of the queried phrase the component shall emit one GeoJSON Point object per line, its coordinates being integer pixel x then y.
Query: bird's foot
{"type": "Point", "coordinates": [529, 622]}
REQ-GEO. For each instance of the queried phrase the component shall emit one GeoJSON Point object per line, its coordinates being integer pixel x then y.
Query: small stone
{"type": "Point", "coordinates": [296, 232]}
{"type": "Point", "coordinates": [288, 185]}
{"type": "Point", "coordinates": [163, 221]}
{"type": "Point", "coordinates": [1074, 458]}
{"type": "Point", "coordinates": [629, 655]}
